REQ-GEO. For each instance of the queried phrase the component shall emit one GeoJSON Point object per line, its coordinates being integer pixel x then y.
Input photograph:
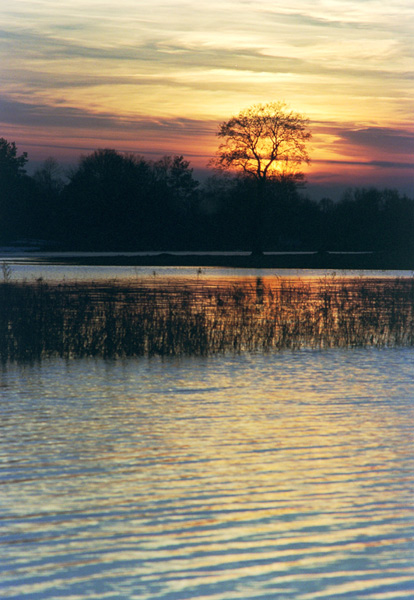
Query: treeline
{"type": "Point", "coordinates": [114, 201]}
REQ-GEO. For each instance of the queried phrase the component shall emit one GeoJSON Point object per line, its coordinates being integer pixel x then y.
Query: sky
{"type": "Point", "coordinates": [159, 77]}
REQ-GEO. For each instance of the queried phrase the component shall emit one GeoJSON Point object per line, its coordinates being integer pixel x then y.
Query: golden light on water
{"type": "Point", "coordinates": [262, 475]}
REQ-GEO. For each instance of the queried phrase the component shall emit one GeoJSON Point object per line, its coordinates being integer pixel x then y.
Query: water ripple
{"type": "Point", "coordinates": [255, 477]}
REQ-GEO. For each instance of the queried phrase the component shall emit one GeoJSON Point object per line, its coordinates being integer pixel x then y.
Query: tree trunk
{"type": "Point", "coordinates": [257, 216]}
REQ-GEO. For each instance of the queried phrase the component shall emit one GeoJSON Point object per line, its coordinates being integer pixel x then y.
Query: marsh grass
{"type": "Point", "coordinates": [148, 318]}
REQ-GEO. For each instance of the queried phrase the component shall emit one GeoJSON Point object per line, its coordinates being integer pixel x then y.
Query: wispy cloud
{"type": "Point", "coordinates": [19, 113]}
{"type": "Point", "coordinates": [371, 163]}
{"type": "Point", "coordinates": [177, 68]}
{"type": "Point", "coordinates": [389, 140]}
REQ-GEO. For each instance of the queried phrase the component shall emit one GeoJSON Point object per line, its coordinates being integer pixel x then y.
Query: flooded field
{"type": "Point", "coordinates": [207, 438]}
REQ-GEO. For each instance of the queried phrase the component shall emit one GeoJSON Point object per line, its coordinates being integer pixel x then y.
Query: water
{"type": "Point", "coordinates": [282, 476]}
{"type": "Point", "coordinates": [53, 266]}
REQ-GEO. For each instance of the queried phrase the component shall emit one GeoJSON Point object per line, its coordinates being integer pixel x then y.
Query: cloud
{"type": "Point", "coordinates": [35, 114]}
{"type": "Point", "coordinates": [369, 163]}
{"type": "Point", "coordinates": [168, 73]}
{"type": "Point", "coordinates": [381, 138]}
{"type": "Point", "coordinates": [376, 143]}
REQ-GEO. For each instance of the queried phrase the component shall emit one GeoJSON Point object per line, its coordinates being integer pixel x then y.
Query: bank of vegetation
{"type": "Point", "coordinates": [150, 318]}
{"type": "Point", "coordinates": [114, 201]}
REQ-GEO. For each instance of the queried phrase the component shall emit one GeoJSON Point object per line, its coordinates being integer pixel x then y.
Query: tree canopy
{"type": "Point", "coordinates": [12, 166]}
{"type": "Point", "coordinates": [265, 141]}
{"type": "Point", "coordinates": [115, 199]}
{"type": "Point", "coordinates": [15, 189]}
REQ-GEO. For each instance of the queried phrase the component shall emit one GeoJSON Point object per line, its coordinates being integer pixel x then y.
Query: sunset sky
{"type": "Point", "coordinates": [158, 78]}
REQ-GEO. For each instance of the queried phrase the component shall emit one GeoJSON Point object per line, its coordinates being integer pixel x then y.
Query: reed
{"type": "Point", "coordinates": [148, 318]}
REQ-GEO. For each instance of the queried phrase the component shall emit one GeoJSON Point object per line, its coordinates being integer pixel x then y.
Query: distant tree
{"type": "Point", "coordinates": [292, 219]}
{"type": "Point", "coordinates": [46, 206]}
{"type": "Point", "coordinates": [106, 200]}
{"type": "Point", "coordinates": [225, 204]}
{"type": "Point", "coordinates": [14, 191]}
{"type": "Point", "coordinates": [175, 172]}
{"type": "Point", "coordinates": [176, 194]}
{"type": "Point", "coordinates": [12, 166]}
{"type": "Point", "coordinates": [373, 219]}
{"type": "Point", "coordinates": [49, 176]}
{"type": "Point", "coordinates": [265, 142]}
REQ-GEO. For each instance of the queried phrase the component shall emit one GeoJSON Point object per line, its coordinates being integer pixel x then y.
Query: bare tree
{"type": "Point", "coordinates": [266, 142]}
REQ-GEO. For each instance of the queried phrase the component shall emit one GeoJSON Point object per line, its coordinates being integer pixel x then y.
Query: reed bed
{"type": "Point", "coordinates": [147, 318]}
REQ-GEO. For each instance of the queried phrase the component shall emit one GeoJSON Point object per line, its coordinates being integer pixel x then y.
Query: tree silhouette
{"type": "Point", "coordinates": [49, 176]}
{"type": "Point", "coordinates": [116, 200]}
{"type": "Point", "coordinates": [45, 209]}
{"type": "Point", "coordinates": [120, 201]}
{"type": "Point", "coordinates": [107, 199]}
{"type": "Point", "coordinates": [14, 191]}
{"type": "Point", "coordinates": [176, 194]}
{"type": "Point", "coordinates": [11, 165]}
{"type": "Point", "coordinates": [176, 174]}
{"type": "Point", "coordinates": [264, 142]}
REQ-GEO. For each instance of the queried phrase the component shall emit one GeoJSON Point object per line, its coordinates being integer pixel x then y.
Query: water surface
{"type": "Point", "coordinates": [54, 266]}
{"type": "Point", "coordinates": [282, 476]}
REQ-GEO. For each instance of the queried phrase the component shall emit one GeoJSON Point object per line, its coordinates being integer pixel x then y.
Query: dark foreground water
{"type": "Point", "coordinates": [284, 476]}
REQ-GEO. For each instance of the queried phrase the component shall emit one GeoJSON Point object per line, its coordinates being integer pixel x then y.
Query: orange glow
{"type": "Point", "coordinates": [80, 76]}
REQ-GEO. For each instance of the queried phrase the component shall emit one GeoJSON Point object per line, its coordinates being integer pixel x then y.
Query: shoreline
{"type": "Point", "coordinates": [318, 260]}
